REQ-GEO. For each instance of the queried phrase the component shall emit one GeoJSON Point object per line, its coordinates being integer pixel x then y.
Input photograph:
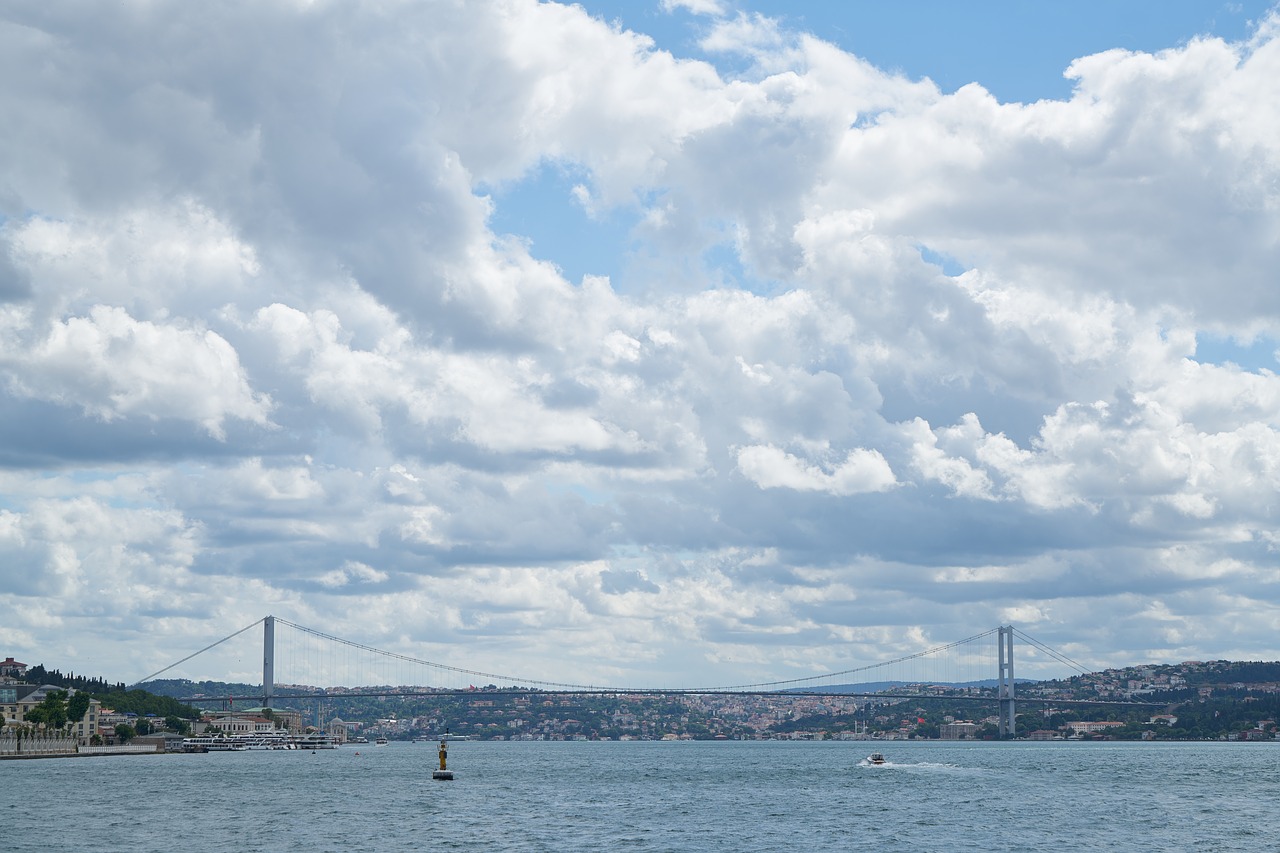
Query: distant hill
{"type": "Point", "coordinates": [182, 688]}
{"type": "Point", "coordinates": [888, 686]}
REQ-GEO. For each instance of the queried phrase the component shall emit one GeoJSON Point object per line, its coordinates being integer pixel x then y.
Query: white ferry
{"type": "Point", "coordinates": [212, 743]}
{"type": "Point", "coordinates": [279, 739]}
{"type": "Point", "coordinates": [315, 740]}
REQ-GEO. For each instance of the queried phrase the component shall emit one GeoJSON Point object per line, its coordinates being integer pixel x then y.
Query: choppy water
{"type": "Point", "coordinates": [931, 796]}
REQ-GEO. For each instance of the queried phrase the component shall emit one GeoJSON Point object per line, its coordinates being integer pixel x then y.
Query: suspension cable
{"type": "Point", "coordinates": [537, 682]}
{"type": "Point", "coordinates": [443, 666]}
{"type": "Point", "coordinates": [857, 669]}
{"type": "Point", "coordinates": [202, 651]}
{"type": "Point", "coordinates": [1058, 656]}
{"type": "Point", "coordinates": [570, 686]}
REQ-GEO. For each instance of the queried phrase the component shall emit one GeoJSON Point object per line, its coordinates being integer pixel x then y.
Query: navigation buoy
{"type": "Point", "coordinates": [443, 774]}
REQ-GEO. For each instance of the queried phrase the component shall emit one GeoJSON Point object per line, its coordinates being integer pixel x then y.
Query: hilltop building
{"type": "Point", "coordinates": [10, 668]}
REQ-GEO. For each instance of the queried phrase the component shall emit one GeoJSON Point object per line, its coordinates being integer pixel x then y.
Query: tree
{"type": "Point", "coordinates": [35, 716]}
{"type": "Point", "coordinates": [175, 723]}
{"type": "Point", "coordinates": [124, 732]}
{"type": "Point", "coordinates": [77, 706]}
{"type": "Point", "coordinates": [51, 712]}
{"type": "Point", "coordinates": [928, 730]}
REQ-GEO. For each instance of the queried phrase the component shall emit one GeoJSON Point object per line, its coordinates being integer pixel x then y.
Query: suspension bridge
{"type": "Point", "coordinates": [958, 671]}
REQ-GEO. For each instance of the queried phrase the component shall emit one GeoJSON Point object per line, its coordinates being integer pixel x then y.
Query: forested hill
{"type": "Point", "coordinates": [206, 691]}
{"type": "Point", "coordinates": [114, 695]}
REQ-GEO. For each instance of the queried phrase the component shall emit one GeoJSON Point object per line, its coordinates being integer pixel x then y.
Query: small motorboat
{"type": "Point", "coordinates": [875, 758]}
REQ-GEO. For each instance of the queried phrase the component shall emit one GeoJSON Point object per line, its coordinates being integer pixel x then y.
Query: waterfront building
{"type": "Point", "coordinates": [240, 723]}
{"type": "Point", "coordinates": [17, 700]}
{"type": "Point", "coordinates": [10, 694]}
{"type": "Point", "coordinates": [1044, 734]}
{"type": "Point", "coordinates": [1093, 727]}
{"type": "Point", "coordinates": [338, 729]}
{"type": "Point", "coordinates": [251, 720]}
{"type": "Point", "coordinates": [958, 731]}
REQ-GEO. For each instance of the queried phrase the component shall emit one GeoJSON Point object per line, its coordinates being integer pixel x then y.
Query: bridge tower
{"type": "Point", "coordinates": [1004, 691]}
{"type": "Point", "coordinates": [269, 659]}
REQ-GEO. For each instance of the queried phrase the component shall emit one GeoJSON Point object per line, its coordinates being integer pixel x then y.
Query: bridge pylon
{"type": "Point", "coordinates": [268, 659]}
{"type": "Point", "coordinates": [1004, 690]}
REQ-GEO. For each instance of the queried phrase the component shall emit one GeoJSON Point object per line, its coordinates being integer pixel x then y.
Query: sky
{"type": "Point", "coordinates": [670, 343]}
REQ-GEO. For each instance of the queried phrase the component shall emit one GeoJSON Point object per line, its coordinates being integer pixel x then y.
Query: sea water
{"type": "Point", "coordinates": [655, 796]}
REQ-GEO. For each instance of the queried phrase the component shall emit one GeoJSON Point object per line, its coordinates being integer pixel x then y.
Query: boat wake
{"type": "Point", "coordinates": [925, 766]}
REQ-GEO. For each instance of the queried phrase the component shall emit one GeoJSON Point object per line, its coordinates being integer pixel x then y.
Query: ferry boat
{"type": "Point", "coordinates": [279, 739]}
{"type": "Point", "coordinates": [875, 758]}
{"type": "Point", "coordinates": [212, 743]}
{"type": "Point", "coordinates": [381, 742]}
{"type": "Point", "coordinates": [315, 740]}
{"type": "Point", "coordinates": [275, 739]}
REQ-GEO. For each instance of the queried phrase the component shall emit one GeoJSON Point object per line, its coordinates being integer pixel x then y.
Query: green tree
{"type": "Point", "coordinates": [51, 712]}
{"type": "Point", "coordinates": [124, 732]}
{"type": "Point", "coordinates": [928, 730]}
{"type": "Point", "coordinates": [77, 707]}
{"type": "Point", "coordinates": [175, 723]}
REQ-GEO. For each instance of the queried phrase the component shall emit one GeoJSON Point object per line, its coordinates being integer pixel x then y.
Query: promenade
{"type": "Point", "coordinates": [63, 747]}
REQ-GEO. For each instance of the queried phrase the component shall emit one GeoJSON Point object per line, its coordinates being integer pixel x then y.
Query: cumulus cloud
{"type": "Point", "coordinates": [112, 366]}
{"type": "Point", "coordinates": [258, 333]}
{"type": "Point", "coordinates": [771, 468]}
{"type": "Point", "coordinates": [697, 7]}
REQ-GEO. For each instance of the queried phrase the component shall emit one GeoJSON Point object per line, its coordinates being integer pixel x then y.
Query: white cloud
{"type": "Point", "coordinates": [111, 366]}
{"type": "Point", "coordinates": [771, 468]}
{"type": "Point", "coordinates": [697, 7]}
{"type": "Point", "coordinates": [933, 463]}
{"type": "Point", "coordinates": [745, 33]}
{"type": "Point", "coordinates": [351, 573]}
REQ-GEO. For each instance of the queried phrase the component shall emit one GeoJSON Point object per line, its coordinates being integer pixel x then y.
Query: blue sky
{"type": "Point", "coordinates": [716, 342]}
{"type": "Point", "coordinates": [1018, 51]}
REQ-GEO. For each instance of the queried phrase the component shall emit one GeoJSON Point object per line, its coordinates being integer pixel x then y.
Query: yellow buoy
{"type": "Point", "coordinates": [443, 774]}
